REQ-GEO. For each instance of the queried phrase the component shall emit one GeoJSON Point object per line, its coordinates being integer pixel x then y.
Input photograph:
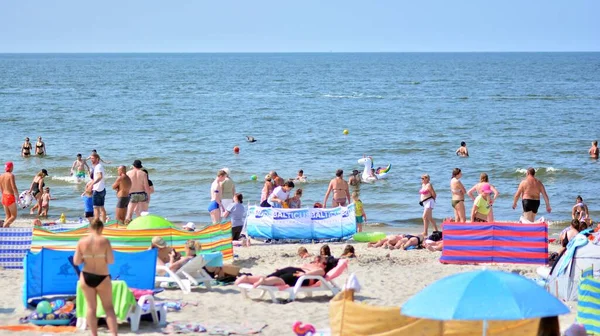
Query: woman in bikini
{"type": "Point", "coordinates": [37, 185]}
{"type": "Point", "coordinates": [428, 197]}
{"type": "Point", "coordinates": [40, 147]}
{"type": "Point", "coordinates": [580, 210]}
{"type": "Point", "coordinates": [484, 180]}
{"type": "Point", "coordinates": [458, 196]}
{"type": "Point", "coordinates": [482, 205]}
{"type": "Point", "coordinates": [95, 252]}
{"type": "Point", "coordinates": [290, 275]}
{"type": "Point", "coordinates": [341, 193]}
{"type": "Point", "coordinates": [26, 148]}
{"type": "Point", "coordinates": [407, 241]}
{"type": "Point", "coordinates": [216, 190]}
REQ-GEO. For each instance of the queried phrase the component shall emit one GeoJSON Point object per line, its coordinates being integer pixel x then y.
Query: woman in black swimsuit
{"type": "Point", "coordinates": [26, 148]}
{"type": "Point", "coordinates": [95, 252]}
{"type": "Point", "coordinates": [290, 275]}
{"type": "Point", "coordinates": [40, 147]}
{"type": "Point", "coordinates": [37, 185]}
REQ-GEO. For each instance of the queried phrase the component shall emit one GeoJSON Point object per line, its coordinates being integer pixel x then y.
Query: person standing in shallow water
{"type": "Point", "coordinates": [122, 186]}
{"type": "Point", "coordinates": [354, 181]}
{"type": "Point", "coordinates": [40, 147]}
{"type": "Point", "coordinates": [10, 194]}
{"type": "Point", "coordinates": [462, 150]}
{"type": "Point", "coordinates": [529, 191]}
{"type": "Point", "coordinates": [594, 151]}
{"type": "Point", "coordinates": [26, 148]}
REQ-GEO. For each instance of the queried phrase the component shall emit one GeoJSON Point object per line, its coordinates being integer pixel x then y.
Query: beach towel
{"type": "Point", "coordinates": [237, 329]}
{"type": "Point", "coordinates": [39, 329]}
{"type": "Point", "coordinates": [179, 327]}
{"type": "Point", "coordinates": [577, 241]}
{"type": "Point", "coordinates": [123, 299]}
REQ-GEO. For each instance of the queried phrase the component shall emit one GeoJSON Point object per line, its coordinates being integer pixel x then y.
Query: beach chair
{"type": "Point", "coordinates": [130, 309]}
{"type": "Point", "coordinates": [192, 273]}
{"type": "Point", "coordinates": [323, 284]}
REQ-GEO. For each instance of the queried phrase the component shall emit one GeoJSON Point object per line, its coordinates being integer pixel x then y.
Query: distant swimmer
{"type": "Point", "coordinates": [462, 150]}
{"type": "Point", "coordinates": [250, 138]}
{"type": "Point", "coordinates": [594, 151]}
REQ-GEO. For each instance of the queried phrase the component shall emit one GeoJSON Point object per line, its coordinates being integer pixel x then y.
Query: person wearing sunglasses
{"type": "Point", "coordinates": [428, 196]}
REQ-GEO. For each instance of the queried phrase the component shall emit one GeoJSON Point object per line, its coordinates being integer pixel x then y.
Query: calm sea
{"type": "Point", "coordinates": [182, 114]}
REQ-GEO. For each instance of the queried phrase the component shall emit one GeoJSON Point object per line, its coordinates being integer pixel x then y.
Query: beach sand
{"type": "Point", "coordinates": [387, 278]}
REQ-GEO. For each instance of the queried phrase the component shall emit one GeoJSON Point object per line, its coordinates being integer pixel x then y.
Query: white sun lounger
{"type": "Point", "coordinates": [192, 273]}
{"type": "Point", "coordinates": [323, 284]}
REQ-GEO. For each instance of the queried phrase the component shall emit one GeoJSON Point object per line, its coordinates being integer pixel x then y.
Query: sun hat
{"type": "Point", "coordinates": [485, 189]}
{"type": "Point", "coordinates": [137, 164]}
{"type": "Point", "coordinates": [226, 170]}
{"type": "Point", "coordinates": [159, 242]}
{"type": "Point", "coordinates": [190, 225]}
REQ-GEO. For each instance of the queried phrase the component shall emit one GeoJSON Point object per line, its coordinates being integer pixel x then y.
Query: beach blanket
{"type": "Point", "coordinates": [237, 329]}
{"type": "Point", "coordinates": [123, 299]}
{"type": "Point", "coordinates": [179, 327]}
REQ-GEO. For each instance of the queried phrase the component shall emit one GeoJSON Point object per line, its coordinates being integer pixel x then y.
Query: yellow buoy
{"type": "Point", "coordinates": [345, 132]}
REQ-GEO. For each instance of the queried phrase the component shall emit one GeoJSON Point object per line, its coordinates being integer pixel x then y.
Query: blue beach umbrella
{"type": "Point", "coordinates": [483, 296]}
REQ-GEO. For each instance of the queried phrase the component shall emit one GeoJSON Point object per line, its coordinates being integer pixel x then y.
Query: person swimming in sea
{"type": "Point", "coordinates": [250, 138]}
{"type": "Point", "coordinates": [462, 150]}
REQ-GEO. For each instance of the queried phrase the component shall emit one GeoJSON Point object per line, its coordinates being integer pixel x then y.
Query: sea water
{"type": "Point", "coordinates": [182, 114]}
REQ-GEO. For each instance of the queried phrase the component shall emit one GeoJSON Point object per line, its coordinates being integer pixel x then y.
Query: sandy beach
{"type": "Point", "coordinates": [387, 278]}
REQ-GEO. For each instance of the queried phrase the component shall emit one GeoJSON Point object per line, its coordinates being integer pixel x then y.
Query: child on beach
{"type": "Point", "coordinates": [295, 202]}
{"type": "Point", "coordinates": [303, 252]}
{"type": "Point", "coordinates": [348, 252]}
{"type": "Point", "coordinates": [88, 202]}
{"type": "Point", "coordinates": [325, 251]}
{"type": "Point", "coordinates": [46, 197]}
{"type": "Point", "coordinates": [361, 216]}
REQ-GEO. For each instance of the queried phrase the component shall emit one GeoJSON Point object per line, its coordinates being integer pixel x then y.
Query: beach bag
{"type": "Point", "coordinates": [436, 236]}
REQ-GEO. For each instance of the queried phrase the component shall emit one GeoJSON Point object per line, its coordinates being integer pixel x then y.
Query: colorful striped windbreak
{"type": "Point", "coordinates": [213, 238]}
{"type": "Point", "coordinates": [477, 243]}
{"type": "Point", "coordinates": [588, 307]}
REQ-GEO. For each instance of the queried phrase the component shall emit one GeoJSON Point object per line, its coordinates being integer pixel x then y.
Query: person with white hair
{"type": "Point", "coordinates": [228, 191]}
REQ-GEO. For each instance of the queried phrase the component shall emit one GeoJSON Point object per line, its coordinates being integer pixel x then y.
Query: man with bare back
{"type": "Point", "coordinates": [138, 194]}
{"type": "Point", "coordinates": [529, 191]}
{"type": "Point", "coordinates": [10, 194]}
{"type": "Point", "coordinates": [122, 185]}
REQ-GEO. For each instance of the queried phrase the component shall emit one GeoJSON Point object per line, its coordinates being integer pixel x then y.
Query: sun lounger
{"type": "Point", "coordinates": [190, 274]}
{"type": "Point", "coordinates": [323, 284]}
{"type": "Point", "coordinates": [126, 307]}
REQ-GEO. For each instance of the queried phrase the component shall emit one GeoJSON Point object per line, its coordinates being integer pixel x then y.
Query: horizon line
{"type": "Point", "coordinates": [293, 52]}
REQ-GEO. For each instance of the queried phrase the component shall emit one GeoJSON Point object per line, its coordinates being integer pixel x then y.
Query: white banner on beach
{"type": "Point", "coordinates": [308, 223]}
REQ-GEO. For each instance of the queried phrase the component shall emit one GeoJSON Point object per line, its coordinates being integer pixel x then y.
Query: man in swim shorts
{"type": "Point", "coordinates": [529, 191]}
{"type": "Point", "coordinates": [122, 185]}
{"type": "Point", "coordinates": [80, 168]}
{"type": "Point", "coordinates": [8, 187]}
{"type": "Point", "coordinates": [277, 180]}
{"type": "Point", "coordinates": [138, 194]}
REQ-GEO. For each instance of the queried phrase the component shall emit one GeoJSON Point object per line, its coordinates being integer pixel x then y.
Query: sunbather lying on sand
{"type": "Point", "coordinates": [433, 245]}
{"type": "Point", "coordinates": [387, 241]}
{"type": "Point", "coordinates": [290, 275]}
{"type": "Point", "coordinates": [408, 241]}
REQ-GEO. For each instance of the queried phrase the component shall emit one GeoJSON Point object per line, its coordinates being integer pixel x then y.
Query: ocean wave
{"type": "Point", "coordinates": [352, 96]}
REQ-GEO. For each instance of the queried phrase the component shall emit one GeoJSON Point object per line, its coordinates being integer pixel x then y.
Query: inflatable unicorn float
{"type": "Point", "coordinates": [368, 175]}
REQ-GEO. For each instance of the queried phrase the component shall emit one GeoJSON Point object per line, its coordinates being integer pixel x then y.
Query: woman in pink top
{"type": "Point", "coordinates": [483, 180]}
{"type": "Point", "coordinates": [428, 197]}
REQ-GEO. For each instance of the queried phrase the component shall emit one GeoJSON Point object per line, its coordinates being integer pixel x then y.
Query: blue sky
{"type": "Point", "coordinates": [298, 26]}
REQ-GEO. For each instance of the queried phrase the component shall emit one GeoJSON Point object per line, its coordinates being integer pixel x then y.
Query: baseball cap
{"type": "Point", "coordinates": [485, 189]}
{"type": "Point", "coordinates": [137, 164]}
{"type": "Point", "coordinates": [8, 166]}
{"type": "Point", "coordinates": [159, 242]}
{"type": "Point", "coordinates": [45, 172]}
{"type": "Point", "coordinates": [190, 225]}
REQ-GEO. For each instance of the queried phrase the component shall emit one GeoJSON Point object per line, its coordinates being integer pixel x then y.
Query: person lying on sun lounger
{"type": "Point", "coordinates": [290, 275]}
{"type": "Point", "coordinates": [192, 249]}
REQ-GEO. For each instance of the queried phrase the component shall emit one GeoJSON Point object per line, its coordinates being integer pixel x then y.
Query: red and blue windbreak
{"type": "Point", "coordinates": [477, 243]}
